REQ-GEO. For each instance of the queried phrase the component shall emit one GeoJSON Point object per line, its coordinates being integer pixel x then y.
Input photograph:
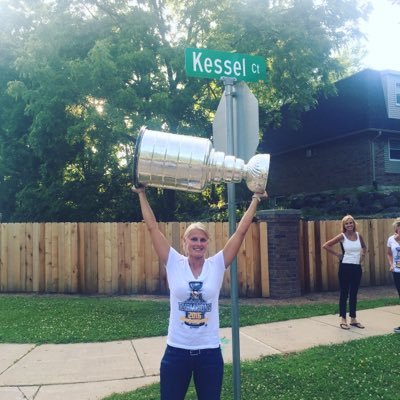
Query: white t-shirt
{"type": "Point", "coordinates": [395, 247]}
{"type": "Point", "coordinates": [352, 250]}
{"type": "Point", "coordinates": [194, 312]}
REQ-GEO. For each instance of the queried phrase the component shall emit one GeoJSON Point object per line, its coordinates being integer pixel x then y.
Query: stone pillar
{"type": "Point", "coordinates": [283, 251]}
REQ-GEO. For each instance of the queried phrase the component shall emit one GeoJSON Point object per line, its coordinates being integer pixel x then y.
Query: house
{"type": "Point", "coordinates": [351, 140]}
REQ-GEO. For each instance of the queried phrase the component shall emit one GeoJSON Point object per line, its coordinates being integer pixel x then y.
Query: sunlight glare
{"type": "Point", "coordinates": [383, 33]}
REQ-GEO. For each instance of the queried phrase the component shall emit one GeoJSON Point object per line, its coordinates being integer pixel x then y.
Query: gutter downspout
{"type": "Point", "coordinates": [374, 182]}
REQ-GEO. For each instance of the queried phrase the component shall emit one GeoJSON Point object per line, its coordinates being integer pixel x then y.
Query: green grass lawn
{"type": "Point", "coordinates": [53, 319]}
{"type": "Point", "coordinates": [357, 370]}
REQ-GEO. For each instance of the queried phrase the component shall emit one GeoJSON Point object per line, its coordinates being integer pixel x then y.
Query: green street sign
{"type": "Point", "coordinates": [205, 63]}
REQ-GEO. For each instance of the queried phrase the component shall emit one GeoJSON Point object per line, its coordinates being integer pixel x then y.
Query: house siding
{"type": "Point", "coordinates": [389, 81]}
{"type": "Point", "coordinates": [331, 166]}
{"type": "Point", "coordinates": [391, 167]}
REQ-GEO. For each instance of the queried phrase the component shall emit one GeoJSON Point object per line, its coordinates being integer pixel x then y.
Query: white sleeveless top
{"type": "Point", "coordinates": [352, 250]}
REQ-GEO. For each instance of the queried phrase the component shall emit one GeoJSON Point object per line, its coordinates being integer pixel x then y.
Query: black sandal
{"type": "Point", "coordinates": [357, 325]}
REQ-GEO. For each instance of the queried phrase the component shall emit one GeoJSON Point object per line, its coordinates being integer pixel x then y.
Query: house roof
{"type": "Point", "coordinates": [359, 106]}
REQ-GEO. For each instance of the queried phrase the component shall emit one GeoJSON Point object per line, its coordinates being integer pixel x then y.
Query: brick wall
{"type": "Point", "coordinates": [283, 251]}
{"type": "Point", "coordinates": [329, 166]}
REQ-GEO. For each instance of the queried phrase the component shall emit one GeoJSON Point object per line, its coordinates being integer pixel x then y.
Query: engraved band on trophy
{"type": "Point", "coordinates": [189, 163]}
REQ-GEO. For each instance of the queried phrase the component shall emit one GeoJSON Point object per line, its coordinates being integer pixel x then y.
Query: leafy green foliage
{"type": "Point", "coordinates": [78, 79]}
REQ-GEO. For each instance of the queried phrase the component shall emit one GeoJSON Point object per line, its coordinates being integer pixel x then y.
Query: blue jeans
{"type": "Point", "coordinates": [179, 365]}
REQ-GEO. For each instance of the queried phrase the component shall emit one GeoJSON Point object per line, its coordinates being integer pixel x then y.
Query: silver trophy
{"type": "Point", "coordinates": [189, 163]}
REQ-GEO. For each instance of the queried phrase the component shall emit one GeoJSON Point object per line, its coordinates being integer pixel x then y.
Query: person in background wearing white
{"type": "Point", "coordinates": [193, 344]}
{"type": "Point", "coordinates": [393, 256]}
{"type": "Point", "coordinates": [350, 272]}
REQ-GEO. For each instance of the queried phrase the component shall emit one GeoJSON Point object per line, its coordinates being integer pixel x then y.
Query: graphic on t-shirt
{"type": "Point", "coordinates": [397, 258]}
{"type": "Point", "coordinates": [195, 307]}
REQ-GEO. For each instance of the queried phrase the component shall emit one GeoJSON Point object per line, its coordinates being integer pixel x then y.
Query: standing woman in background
{"type": "Point", "coordinates": [350, 272]}
{"type": "Point", "coordinates": [393, 256]}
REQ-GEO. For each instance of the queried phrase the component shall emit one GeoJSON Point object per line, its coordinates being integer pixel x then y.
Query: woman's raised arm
{"type": "Point", "coordinates": [233, 244]}
{"type": "Point", "coordinates": [159, 241]}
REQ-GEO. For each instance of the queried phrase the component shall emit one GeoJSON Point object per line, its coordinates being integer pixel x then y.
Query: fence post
{"type": "Point", "coordinates": [283, 251]}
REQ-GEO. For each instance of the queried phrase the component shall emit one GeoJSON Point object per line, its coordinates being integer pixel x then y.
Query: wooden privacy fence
{"type": "Point", "coordinates": [112, 258]}
{"type": "Point", "coordinates": [118, 258]}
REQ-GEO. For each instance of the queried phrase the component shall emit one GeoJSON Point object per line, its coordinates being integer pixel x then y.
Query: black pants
{"type": "Point", "coordinates": [396, 278]}
{"type": "Point", "coordinates": [349, 281]}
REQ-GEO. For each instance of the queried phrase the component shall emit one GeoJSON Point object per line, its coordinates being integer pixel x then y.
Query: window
{"type": "Point", "coordinates": [398, 94]}
{"type": "Point", "coordinates": [394, 149]}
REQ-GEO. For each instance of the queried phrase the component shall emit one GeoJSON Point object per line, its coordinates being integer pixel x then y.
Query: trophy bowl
{"type": "Point", "coordinates": [189, 163]}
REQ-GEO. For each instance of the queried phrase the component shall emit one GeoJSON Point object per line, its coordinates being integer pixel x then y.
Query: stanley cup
{"type": "Point", "coordinates": [189, 163]}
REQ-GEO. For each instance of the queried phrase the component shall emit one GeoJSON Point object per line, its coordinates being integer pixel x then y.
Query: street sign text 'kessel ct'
{"type": "Point", "coordinates": [205, 63]}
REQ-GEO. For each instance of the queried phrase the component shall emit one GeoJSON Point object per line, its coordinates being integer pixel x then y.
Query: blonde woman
{"type": "Point", "coordinates": [393, 256]}
{"type": "Point", "coordinates": [193, 345]}
{"type": "Point", "coordinates": [350, 272]}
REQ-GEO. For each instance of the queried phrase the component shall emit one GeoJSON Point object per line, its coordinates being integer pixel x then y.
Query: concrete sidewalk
{"type": "Point", "coordinates": [95, 370]}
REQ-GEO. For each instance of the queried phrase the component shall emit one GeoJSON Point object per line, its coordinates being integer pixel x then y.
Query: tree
{"type": "Point", "coordinates": [81, 77]}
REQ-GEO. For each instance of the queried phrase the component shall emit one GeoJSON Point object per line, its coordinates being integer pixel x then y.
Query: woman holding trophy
{"type": "Point", "coordinates": [193, 344]}
{"type": "Point", "coordinates": [189, 163]}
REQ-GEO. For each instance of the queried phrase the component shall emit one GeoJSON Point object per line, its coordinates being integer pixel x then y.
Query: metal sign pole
{"type": "Point", "coordinates": [230, 93]}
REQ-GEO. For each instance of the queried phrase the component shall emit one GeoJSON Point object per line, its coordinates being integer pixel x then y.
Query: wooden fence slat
{"type": "Point", "coordinates": [377, 251]}
{"type": "Point", "coordinates": [324, 254]}
{"type": "Point", "coordinates": [87, 259]}
{"type": "Point", "coordinates": [148, 248]}
{"type": "Point", "coordinates": [22, 256]}
{"type": "Point", "coordinates": [4, 257]}
{"type": "Point", "coordinates": [114, 257]}
{"type": "Point", "coordinates": [121, 252]}
{"type": "Point", "coordinates": [48, 255]}
{"type": "Point", "coordinates": [15, 265]}
{"type": "Point", "coordinates": [94, 257]}
{"type": "Point", "coordinates": [141, 272]}
{"type": "Point", "coordinates": [388, 230]}
{"type": "Point", "coordinates": [212, 244]}
{"type": "Point", "coordinates": [68, 265]}
{"type": "Point", "coordinates": [251, 264]}
{"type": "Point", "coordinates": [311, 256]}
{"type": "Point", "coordinates": [101, 258]}
{"type": "Point", "coordinates": [29, 257]}
{"type": "Point", "coordinates": [223, 238]}
{"type": "Point", "coordinates": [107, 259]}
{"type": "Point", "coordinates": [62, 270]}
{"type": "Point", "coordinates": [301, 249]}
{"type": "Point", "coordinates": [42, 257]}
{"type": "Point", "coordinates": [333, 229]}
{"type": "Point", "coordinates": [82, 228]}
{"type": "Point", "coordinates": [154, 269]}
{"type": "Point", "coordinates": [362, 228]}
{"type": "Point", "coordinates": [74, 257]}
{"type": "Point", "coordinates": [54, 256]}
{"type": "Point", "coordinates": [255, 240]}
{"type": "Point", "coordinates": [127, 258]}
{"type": "Point", "coordinates": [241, 269]}
{"type": "Point", "coordinates": [162, 271]}
{"type": "Point", "coordinates": [264, 261]}
{"type": "Point", "coordinates": [36, 257]}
